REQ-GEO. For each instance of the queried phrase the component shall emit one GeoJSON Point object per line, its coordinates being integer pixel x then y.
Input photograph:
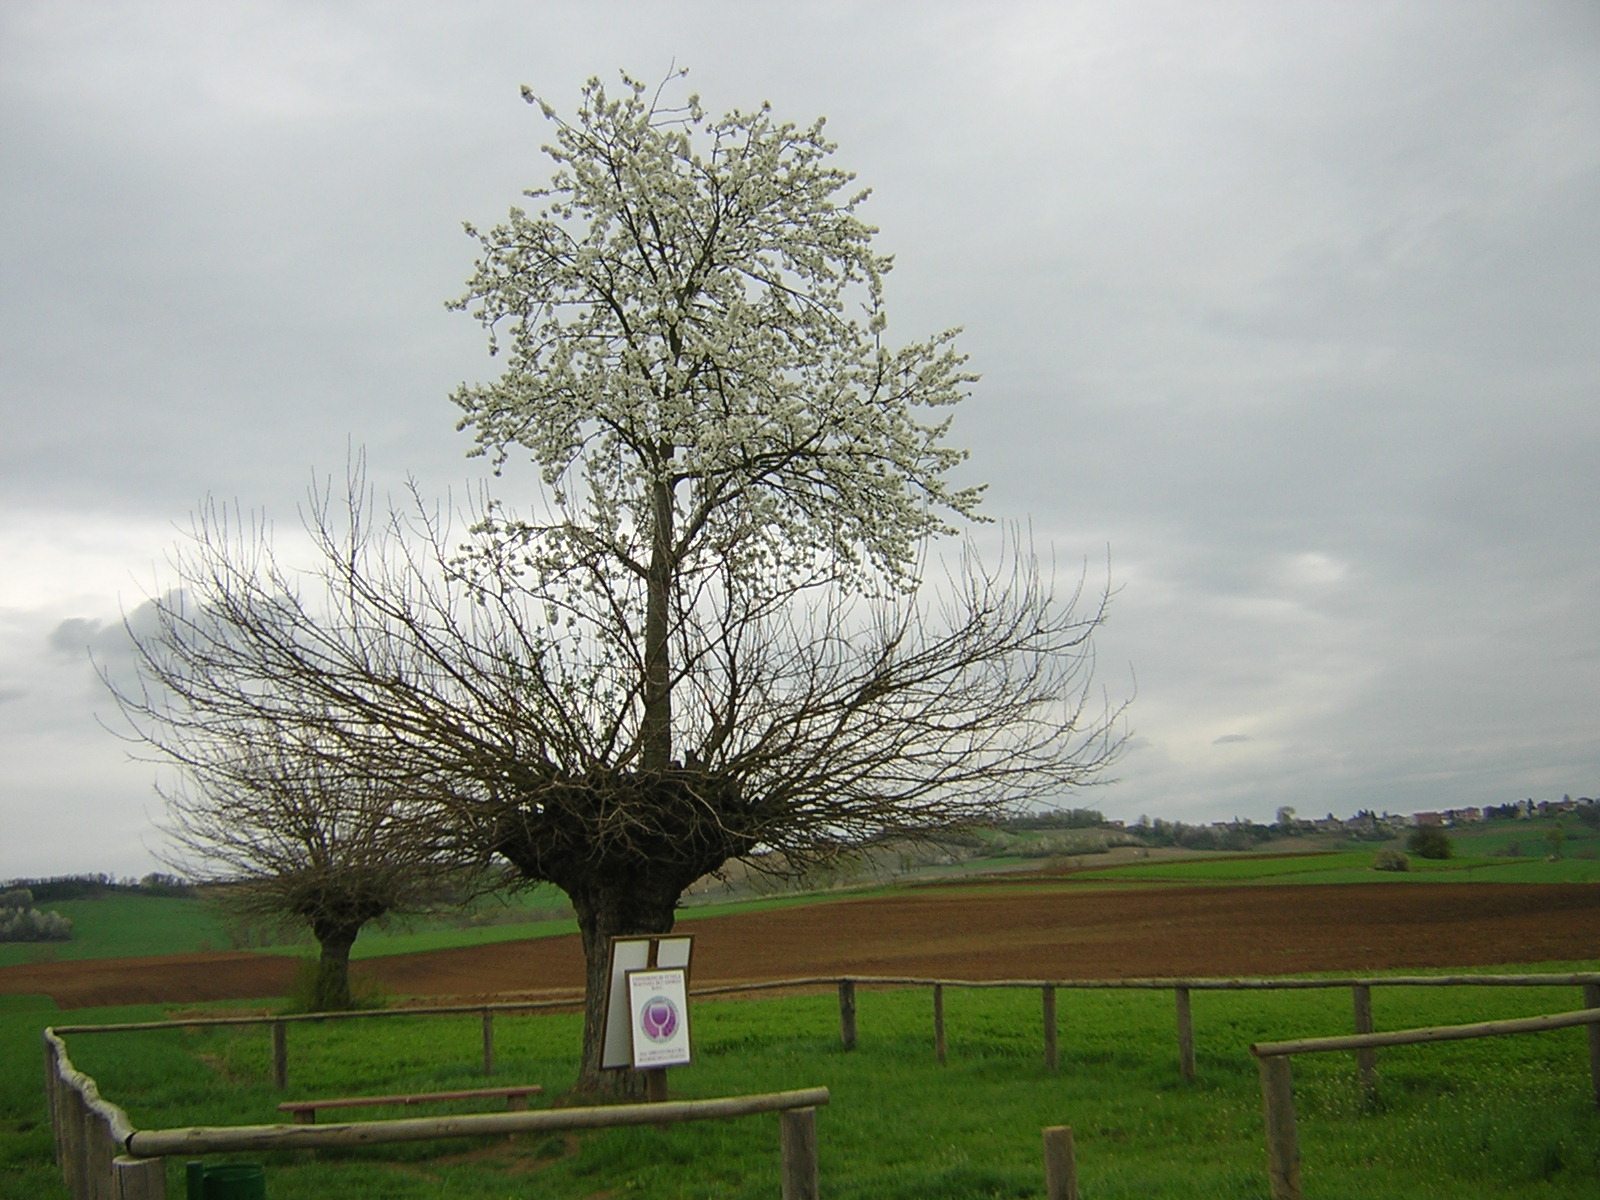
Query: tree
{"type": "Point", "coordinates": [1429, 841]}
{"type": "Point", "coordinates": [714, 640]}
{"type": "Point", "coordinates": [1556, 836]}
{"type": "Point", "coordinates": [294, 838]}
{"type": "Point", "coordinates": [735, 463]}
{"type": "Point", "coordinates": [266, 807]}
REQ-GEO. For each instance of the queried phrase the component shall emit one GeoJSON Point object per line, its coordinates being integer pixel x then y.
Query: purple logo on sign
{"type": "Point", "coordinates": [658, 1018]}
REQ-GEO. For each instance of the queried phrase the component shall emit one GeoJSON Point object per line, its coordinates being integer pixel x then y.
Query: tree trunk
{"type": "Point", "coordinates": [331, 990]}
{"type": "Point", "coordinates": [623, 847]}
{"type": "Point", "coordinates": [655, 730]}
{"type": "Point", "coordinates": [608, 908]}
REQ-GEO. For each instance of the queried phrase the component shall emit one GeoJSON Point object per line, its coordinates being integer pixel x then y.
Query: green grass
{"type": "Point", "coordinates": [127, 926]}
{"type": "Point", "coordinates": [1503, 1117]}
{"type": "Point", "coordinates": [124, 926]}
{"type": "Point", "coordinates": [1530, 836]}
{"type": "Point", "coordinates": [1347, 866]}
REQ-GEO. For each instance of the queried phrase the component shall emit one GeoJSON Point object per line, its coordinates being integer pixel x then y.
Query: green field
{"type": "Point", "coordinates": [127, 925]}
{"type": "Point", "coordinates": [124, 925]}
{"type": "Point", "coordinates": [1506, 1117]}
{"type": "Point", "coordinates": [1345, 866]}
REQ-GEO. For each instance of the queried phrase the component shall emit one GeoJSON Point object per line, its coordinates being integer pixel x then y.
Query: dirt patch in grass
{"type": "Point", "coordinates": [961, 931]}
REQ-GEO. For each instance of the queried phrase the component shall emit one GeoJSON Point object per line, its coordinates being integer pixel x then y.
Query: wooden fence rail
{"type": "Point", "coordinates": [233, 1139]}
{"type": "Point", "coordinates": [90, 1132]}
{"type": "Point", "coordinates": [1277, 1084]}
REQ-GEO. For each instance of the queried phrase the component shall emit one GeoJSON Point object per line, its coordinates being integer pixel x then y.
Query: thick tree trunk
{"type": "Point", "coordinates": [331, 992]}
{"type": "Point", "coordinates": [607, 910]}
{"type": "Point", "coordinates": [624, 847]}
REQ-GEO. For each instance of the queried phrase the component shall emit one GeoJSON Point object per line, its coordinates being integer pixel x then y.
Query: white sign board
{"type": "Point", "coordinates": [633, 954]}
{"type": "Point", "coordinates": [659, 1004]}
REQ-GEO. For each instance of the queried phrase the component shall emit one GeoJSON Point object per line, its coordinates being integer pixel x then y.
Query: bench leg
{"type": "Point", "coordinates": [305, 1116]}
{"type": "Point", "coordinates": [516, 1103]}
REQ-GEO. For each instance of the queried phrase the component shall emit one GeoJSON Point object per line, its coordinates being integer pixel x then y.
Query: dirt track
{"type": "Point", "coordinates": [960, 932]}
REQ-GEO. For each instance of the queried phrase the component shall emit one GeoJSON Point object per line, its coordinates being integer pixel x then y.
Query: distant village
{"type": "Point", "coordinates": [1522, 810]}
{"type": "Point", "coordinates": [1092, 827]}
{"type": "Point", "coordinates": [1364, 826]}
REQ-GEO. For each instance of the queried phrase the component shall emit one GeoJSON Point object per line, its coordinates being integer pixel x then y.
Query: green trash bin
{"type": "Point", "coordinates": [226, 1181]}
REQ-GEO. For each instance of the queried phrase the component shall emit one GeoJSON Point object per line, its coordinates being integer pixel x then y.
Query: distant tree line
{"type": "Point", "coordinates": [95, 887]}
{"type": "Point", "coordinates": [1239, 835]}
{"type": "Point", "coordinates": [1055, 818]}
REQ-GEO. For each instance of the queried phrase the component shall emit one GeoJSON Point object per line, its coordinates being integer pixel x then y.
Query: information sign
{"type": "Point", "coordinates": [633, 954]}
{"type": "Point", "coordinates": [659, 1004]}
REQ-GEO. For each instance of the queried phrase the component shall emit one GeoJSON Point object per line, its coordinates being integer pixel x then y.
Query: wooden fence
{"type": "Point", "coordinates": [96, 1145]}
{"type": "Point", "coordinates": [1277, 1084]}
{"type": "Point", "coordinates": [103, 1157]}
{"type": "Point", "coordinates": [1181, 989]}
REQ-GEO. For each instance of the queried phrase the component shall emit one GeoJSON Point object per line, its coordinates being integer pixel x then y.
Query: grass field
{"type": "Point", "coordinates": [1507, 1117]}
{"type": "Point", "coordinates": [128, 926]}
{"type": "Point", "coordinates": [123, 926]}
{"type": "Point", "coordinates": [1347, 866]}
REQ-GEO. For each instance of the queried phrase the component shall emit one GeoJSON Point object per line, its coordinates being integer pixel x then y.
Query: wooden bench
{"type": "Point", "coordinates": [305, 1111]}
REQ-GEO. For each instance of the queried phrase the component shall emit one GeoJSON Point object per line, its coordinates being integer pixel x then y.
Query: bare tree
{"type": "Point", "coordinates": [296, 838]}
{"type": "Point", "coordinates": [268, 808]}
{"type": "Point", "coordinates": [472, 724]}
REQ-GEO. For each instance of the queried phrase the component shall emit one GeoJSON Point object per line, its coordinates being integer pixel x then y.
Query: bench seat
{"type": "Point", "coordinates": [305, 1111]}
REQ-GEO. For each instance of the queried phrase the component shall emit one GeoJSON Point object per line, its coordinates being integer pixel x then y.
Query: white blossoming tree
{"type": "Point", "coordinates": [741, 476]}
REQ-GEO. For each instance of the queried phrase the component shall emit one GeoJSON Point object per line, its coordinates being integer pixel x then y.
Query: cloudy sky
{"type": "Point", "coordinates": [1293, 307]}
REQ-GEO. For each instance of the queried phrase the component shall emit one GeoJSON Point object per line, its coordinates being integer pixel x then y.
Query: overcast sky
{"type": "Point", "coordinates": [1294, 307]}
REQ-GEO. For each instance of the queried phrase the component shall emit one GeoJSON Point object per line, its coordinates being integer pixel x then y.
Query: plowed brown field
{"type": "Point", "coordinates": [969, 932]}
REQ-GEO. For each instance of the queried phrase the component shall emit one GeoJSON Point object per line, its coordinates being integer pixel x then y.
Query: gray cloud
{"type": "Point", "coordinates": [1295, 308]}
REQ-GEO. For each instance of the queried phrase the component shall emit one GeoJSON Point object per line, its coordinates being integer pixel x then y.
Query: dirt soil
{"type": "Point", "coordinates": [968, 931]}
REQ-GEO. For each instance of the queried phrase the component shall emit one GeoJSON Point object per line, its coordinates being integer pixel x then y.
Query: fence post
{"type": "Point", "coordinates": [280, 1056]}
{"type": "Point", "coordinates": [938, 1023]}
{"type": "Point", "coordinates": [847, 1013]}
{"type": "Point", "coordinates": [797, 1132]}
{"type": "Point", "coordinates": [1366, 1057]}
{"type": "Point", "coordinates": [102, 1151]}
{"type": "Point", "coordinates": [52, 1094]}
{"type": "Point", "coordinates": [1060, 1164]}
{"type": "Point", "coordinates": [488, 1041]}
{"type": "Point", "coordinates": [1185, 1033]}
{"type": "Point", "coordinates": [1591, 999]}
{"type": "Point", "coordinates": [1283, 1143]}
{"type": "Point", "coordinates": [72, 1120]}
{"type": "Point", "coordinates": [1052, 1059]}
{"type": "Point", "coordinates": [138, 1178]}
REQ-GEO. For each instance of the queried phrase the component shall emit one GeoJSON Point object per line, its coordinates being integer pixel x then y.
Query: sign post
{"type": "Point", "coordinates": [630, 955]}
